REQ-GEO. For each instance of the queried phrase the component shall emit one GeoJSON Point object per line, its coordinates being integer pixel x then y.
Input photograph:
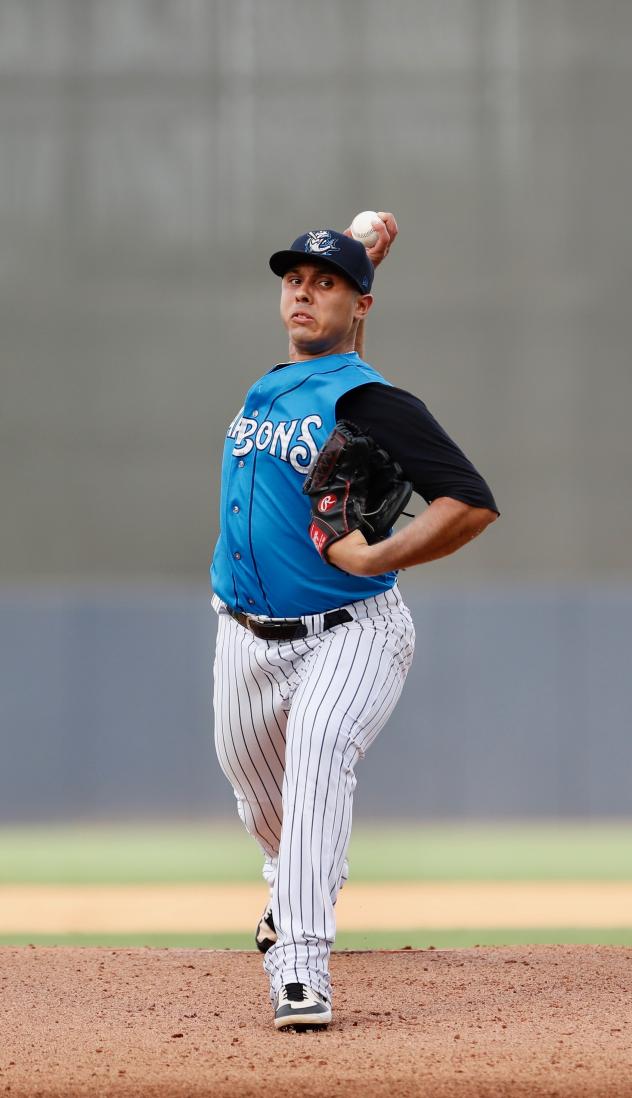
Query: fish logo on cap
{"type": "Point", "coordinates": [320, 242]}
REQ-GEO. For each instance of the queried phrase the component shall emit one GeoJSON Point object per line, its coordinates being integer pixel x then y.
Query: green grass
{"type": "Point", "coordinates": [125, 854]}
{"type": "Point", "coordinates": [417, 939]}
{"type": "Point", "coordinates": [212, 852]}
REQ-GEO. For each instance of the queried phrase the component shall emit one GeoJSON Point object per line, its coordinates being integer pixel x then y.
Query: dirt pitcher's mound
{"type": "Point", "coordinates": [514, 1021]}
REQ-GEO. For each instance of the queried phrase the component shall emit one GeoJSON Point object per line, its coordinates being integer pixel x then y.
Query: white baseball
{"type": "Point", "coordinates": [362, 228]}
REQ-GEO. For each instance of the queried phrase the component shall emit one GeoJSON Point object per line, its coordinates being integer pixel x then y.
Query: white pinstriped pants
{"type": "Point", "coordinates": [291, 721]}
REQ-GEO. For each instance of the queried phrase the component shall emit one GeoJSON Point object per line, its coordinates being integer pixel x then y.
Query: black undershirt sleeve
{"type": "Point", "coordinates": [402, 425]}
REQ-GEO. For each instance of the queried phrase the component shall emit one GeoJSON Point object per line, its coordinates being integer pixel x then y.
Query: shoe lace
{"type": "Point", "coordinates": [294, 992]}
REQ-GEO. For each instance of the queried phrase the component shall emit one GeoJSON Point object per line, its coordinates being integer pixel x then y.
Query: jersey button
{"type": "Point", "coordinates": [251, 602]}
{"type": "Point", "coordinates": [235, 510]}
{"type": "Point", "coordinates": [240, 464]}
{"type": "Point", "coordinates": [237, 556]}
{"type": "Point", "coordinates": [255, 413]}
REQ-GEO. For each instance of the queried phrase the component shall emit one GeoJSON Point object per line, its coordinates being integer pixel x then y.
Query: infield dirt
{"type": "Point", "coordinates": [546, 1020]}
{"type": "Point", "coordinates": [210, 908]}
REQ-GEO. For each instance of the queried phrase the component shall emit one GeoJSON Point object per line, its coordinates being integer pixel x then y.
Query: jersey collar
{"type": "Point", "coordinates": [322, 363]}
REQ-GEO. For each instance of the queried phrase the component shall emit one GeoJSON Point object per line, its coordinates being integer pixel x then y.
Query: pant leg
{"type": "Point", "coordinates": [250, 730]}
{"type": "Point", "coordinates": [351, 688]}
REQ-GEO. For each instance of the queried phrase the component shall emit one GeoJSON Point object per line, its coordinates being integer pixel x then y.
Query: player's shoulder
{"type": "Point", "coordinates": [379, 400]}
{"type": "Point", "coordinates": [368, 370]}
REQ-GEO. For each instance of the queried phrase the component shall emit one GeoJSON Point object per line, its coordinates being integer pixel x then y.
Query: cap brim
{"type": "Point", "coordinates": [282, 262]}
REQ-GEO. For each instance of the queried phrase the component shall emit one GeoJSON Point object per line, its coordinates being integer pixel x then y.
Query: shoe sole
{"type": "Point", "coordinates": [304, 1021]}
{"type": "Point", "coordinates": [305, 1028]}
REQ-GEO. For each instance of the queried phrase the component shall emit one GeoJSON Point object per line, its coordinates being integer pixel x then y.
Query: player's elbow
{"type": "Point", "coordinates": [469, 521]}
{"type": "Point", "coordinates": [479, 518]}
{"type": "Point", "coordinates": [486, 516]}
{"type": "Point", "coordinates": [467, 517]}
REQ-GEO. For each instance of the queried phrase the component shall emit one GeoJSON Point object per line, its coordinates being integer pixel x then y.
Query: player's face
{"type": "Point", "coordinates": [320, 310]}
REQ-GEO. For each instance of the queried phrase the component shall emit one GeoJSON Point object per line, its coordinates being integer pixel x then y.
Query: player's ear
{"type": "Point", "coordinates": [363, 304]}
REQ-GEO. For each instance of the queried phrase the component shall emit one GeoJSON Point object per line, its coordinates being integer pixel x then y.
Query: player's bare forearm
{"type": "Point", "coordinates": [387, 229]}
{"type": "Point", "coordinates": [445, 526]}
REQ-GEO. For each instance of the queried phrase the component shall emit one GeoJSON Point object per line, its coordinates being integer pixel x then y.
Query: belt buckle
{"type": "Point", "coordinates": [252, 622]}
{"type": "Point", "coordinates": [256, 625]}
{"type": "Point", "coordinates": [282, 625]}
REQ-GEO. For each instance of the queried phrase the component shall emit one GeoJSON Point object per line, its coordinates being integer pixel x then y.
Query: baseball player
{"type": "Point", "coordinates": [314, 643]}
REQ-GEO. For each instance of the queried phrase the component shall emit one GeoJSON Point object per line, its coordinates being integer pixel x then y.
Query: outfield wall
{"type": "Point", "coordinates": [518, 706]}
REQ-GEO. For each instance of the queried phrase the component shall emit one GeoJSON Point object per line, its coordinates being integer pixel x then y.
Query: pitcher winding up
{"type": "Point", "coordinates": [314, 641]}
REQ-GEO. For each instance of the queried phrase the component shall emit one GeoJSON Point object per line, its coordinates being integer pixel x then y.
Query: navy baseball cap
{"type": "Point", "coordinates": [334, 250]}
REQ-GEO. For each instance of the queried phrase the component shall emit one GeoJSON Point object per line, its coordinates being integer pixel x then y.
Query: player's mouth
{"type": "Point", "coordinates": [302, 318]}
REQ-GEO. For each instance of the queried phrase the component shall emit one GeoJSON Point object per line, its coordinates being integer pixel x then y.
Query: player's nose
{"type": "Point", "coordinates": [302, 292]}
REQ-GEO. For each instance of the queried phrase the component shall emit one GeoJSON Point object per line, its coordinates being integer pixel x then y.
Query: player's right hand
{"type": "Point", "coordinates": [387, 230]}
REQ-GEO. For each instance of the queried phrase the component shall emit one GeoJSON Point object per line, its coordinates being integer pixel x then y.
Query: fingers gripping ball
{"type": "Point", "coordinates": [353, 485]}
{"type": "Point", "coordinates": [362, 228]}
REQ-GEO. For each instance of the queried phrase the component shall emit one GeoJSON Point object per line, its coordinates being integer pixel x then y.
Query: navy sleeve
{"type": "Point", "coordinates": [403, 426]}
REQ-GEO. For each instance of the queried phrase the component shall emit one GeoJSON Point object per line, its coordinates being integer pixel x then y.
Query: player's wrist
{"type": "Point", "coordinates": [371, 560]}
{"type": "Point", "coordinates": [351, 554]}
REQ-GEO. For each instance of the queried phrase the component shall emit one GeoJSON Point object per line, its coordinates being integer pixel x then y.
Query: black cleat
{"type": "Point", "coordinates": [301, 1007]}
{"type": "Point", "coordinates": [265, 934]}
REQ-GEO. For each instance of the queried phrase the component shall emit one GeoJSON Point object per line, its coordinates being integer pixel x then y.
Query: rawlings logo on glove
{"type": "Point", "coordinates": [354, 485]}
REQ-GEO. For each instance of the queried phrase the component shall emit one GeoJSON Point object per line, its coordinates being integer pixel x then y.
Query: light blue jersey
{"type": "Point", "coordinates": [264, 560]}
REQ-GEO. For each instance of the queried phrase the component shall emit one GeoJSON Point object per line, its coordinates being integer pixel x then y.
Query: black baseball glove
{"type": "Point", "coordinates": [354, 485]}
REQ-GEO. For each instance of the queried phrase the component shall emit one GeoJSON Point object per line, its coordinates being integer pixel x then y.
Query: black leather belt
{"type": "Point", "coordinates": [288, 629]}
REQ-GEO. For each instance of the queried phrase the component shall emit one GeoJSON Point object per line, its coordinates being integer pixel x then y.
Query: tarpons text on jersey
{"type": "Point", "coordinates": [292, 441]}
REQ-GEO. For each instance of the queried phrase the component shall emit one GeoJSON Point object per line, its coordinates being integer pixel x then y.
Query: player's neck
{"type": "Point", "coordinates": [303, 354]}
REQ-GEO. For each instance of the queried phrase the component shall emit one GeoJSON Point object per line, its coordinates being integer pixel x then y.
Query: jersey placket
{"type": "Point", "coordinates": [237, 519]}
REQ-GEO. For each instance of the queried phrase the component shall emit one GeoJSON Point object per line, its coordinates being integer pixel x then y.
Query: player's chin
{"type": "Point", "coordinates": [303, 328]}
{"type": "Point", "coordinates": [308, 342]}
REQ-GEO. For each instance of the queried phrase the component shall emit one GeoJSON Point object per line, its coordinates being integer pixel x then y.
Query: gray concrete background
{"type": "Point", "coordinates": [517, 706]}
{"type": "Point", "coordinates": [153, 154]}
